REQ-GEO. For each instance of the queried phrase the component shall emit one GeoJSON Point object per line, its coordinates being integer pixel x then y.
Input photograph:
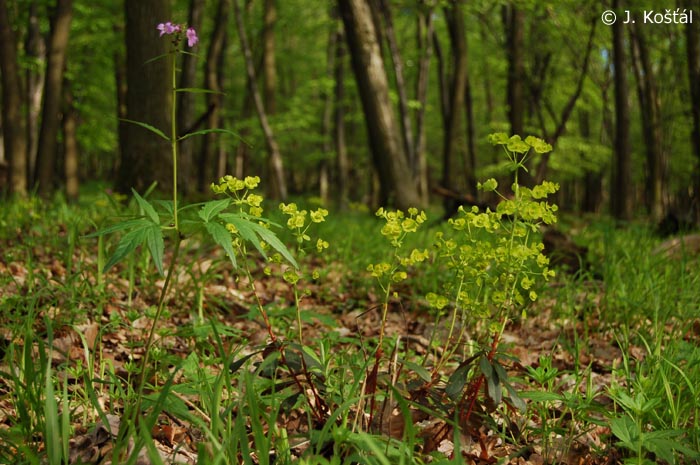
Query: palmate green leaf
{"type": "Point", "coordinates": [129, 242]}
{"type": "Point", "coordinates": [211, 209]}
{"type": "Point", "coordinates": [626, 431]}
{"type": "Point", "coordinates": [222, 237]}
{"type": "Point", "coordinates": [146, 207]}
{"type": "Point", "coordinates": [154, 130]}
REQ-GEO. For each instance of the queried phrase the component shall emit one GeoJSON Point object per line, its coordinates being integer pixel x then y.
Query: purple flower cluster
{"type": "Point", "coordinates": [171, 28]}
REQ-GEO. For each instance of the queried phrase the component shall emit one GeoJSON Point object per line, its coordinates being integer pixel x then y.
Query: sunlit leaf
{"type": "Point", "coordinates": [222, 237]}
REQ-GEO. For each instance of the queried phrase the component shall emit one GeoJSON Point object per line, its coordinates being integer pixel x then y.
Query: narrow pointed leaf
{"type": "Point", "coordinates": [222, 237]}
{"type": "Point", "coordinates": [117, 227]}
{"type": "Point", "coordinates": [147, 126]}
{"type": "Point", "coordinates": [146, 207]}
{"type": "Point", "coordinates": [128, 244]}
{"type": "Point", "coordinates": [154, 239]}
{"type": "Point", "coordinates": [214, 130]}
{"type": "Point", "coordinates": [274, 242]}
{"type": "Point", "coordinates": [198, 90]}
{"type": "Point", "coordinates": [213, 208]}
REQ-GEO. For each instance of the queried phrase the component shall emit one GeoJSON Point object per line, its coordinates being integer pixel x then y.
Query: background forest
{"type": "Point", "coordinates": [527, 291]}
{"type": "Point", "coordinates": [454, 72]}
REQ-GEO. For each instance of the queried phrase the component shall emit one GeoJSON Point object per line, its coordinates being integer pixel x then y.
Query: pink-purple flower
{"type": "Point", "coordinates": [192, 38]}
{"type": "Point", "coordinates": [172, 28]}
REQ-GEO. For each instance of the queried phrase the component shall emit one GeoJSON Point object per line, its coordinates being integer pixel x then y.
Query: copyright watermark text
{"type": "Point", "coordinates": [677, 16]}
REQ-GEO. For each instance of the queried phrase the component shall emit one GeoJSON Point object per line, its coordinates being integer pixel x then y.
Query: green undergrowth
{"type": "Point", "coordinates": [331, 394]}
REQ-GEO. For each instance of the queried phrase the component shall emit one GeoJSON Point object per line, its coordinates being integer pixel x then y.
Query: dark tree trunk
{"type": "Point", "coordinates": [341, 151]}
{"type": "Point", "coordinates": [382, 126]}
{"type": "Point", "coordinates": [457, 84]}
{"type": "Point", "coordinates": [207, 159]}
{"type": "Point", "coordinates": [424, 35]}
{"type": "Point", "coordinates": [397, 61]}
{"type": "Point", "coordinates": [35, 47]}
{"type": "Point", "coordinates": [513, 21]}
{"type": "Point", "coordinates": [567, 110]}
{"type": "Point", "coordinates": [651, 122]}
{"type": "Point", "coordinates": [186, 104]}
{"type": "Point", "coordinates": [14, 129]}
{"type": "Point", "coordinates": [621, 183]}
{"type": "Point", "coordinates": [692, 34]}
{"type": "Point", "coordinates": [70, 144]}
{"type": "Point", "coordinates": [324, 166]}
{"type": "Point", "coordinates": [593, 181]}
{"type": "Point", "coordinates": [146, 157]}
{"type": "Point", "coordinates": [278, 182]}
{"type": "Point", "coordinates": [53, 87]}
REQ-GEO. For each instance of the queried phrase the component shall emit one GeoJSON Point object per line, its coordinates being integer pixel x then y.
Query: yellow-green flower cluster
{"type": "Point", "coordinates": [299, 225]}
{"type": "Point", "coordinates": [398, 224]}
{"type": "Point", "coordinates": [240, 191]}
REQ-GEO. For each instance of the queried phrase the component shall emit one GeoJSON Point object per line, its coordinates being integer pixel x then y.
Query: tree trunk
{"type": "Point", "coordinates": [70, 144]}
{"type": "Point", "coordinates": [53, 87]}
{"type": "Point", "coordinates": [651, 122]}
{"type": "Point", "coordinates": [692, 35]}
{"type": "Point", "coordinates": [324, 169]}
{"type": "Point", "coordinates": [406, 127]}
{"type": "Point", "coordinates": [35, 47]}
{"type": "Point", "coordinates": [621, 183]}
{"type": "Point", "coordinates": [269, 65]}
{"type": "Point", "coordinates": [382, 127]}
{"type": "Point", "coordinates": [593, 181]}
{"type": "Point", "coordinates": [456, 87]}
{"type": "Point", "coordinates": [207, 159]}
{"type": "Point", "coordinates": [424, 35]}
{"type": "Point", "coordinates": [14, 129]}
{"type": "Point", "coordinates": [341, 151]}
{"type": "Point", "coordinates": [278, 182]}
{"type": "Point", "coordinates": [145, 156]}
{"type": "Point", "coordinates": [566, 111]}
{"type": "Point", "coordinates": [513, 20]}
{"type": "Point", "coordinates": [186, 104]}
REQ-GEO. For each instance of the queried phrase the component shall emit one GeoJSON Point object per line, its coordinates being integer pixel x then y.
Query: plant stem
{"type": "Point", "coordinates": [173, 138]}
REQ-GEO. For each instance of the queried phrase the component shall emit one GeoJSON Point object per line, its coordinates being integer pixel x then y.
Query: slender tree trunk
{"type": "Point", "coordinates": [456, 89]}
{"type": "Point", "coordinates": [269, 64]}
{"type": "Point", "coordinates": [692, 35]}
{"type": "Point", "coordinates": [70, 144]}
{"type": "Point", "coordinates": [146, 157]}
{"type": "Point", "coordinates": [424, 34]}
{"type": "Point", "coordinates": [651, 122]}
{"type": "Point", "coordinates": [621, 183]}
{"type": "Point", "coordinates": [593, 181]}
{"type": "Point", "coordinates": [51, 112]}
{"type": "Point", "coordinates": [341, 151]}
{"type": "Point", "coordinates": [397, 61]}
{"type": "Point", "coordinates": [275, 157]}
{"type": "Point", "coordinates": [567, 110]}
{"type": "Point", "coordinates": [327, 120]}
{"type": "Point", "coordinates": [382, 126]}
{"type": "Point", "coordinates": [36, 50]}
{"type": "Point", "coordinates": [186, 104]}
{"type": "Point", "coordinates": [120, 84]}
{"type": "Point", "coordinates": [208, 156]}
{"type": "Point", "coordinates": [513, 20]}
{"type": "Point", "coordinates": [14, 129]}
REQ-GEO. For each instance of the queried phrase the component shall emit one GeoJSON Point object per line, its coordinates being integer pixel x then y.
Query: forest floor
{"type": "Point", "coordinates": [585, 360]}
